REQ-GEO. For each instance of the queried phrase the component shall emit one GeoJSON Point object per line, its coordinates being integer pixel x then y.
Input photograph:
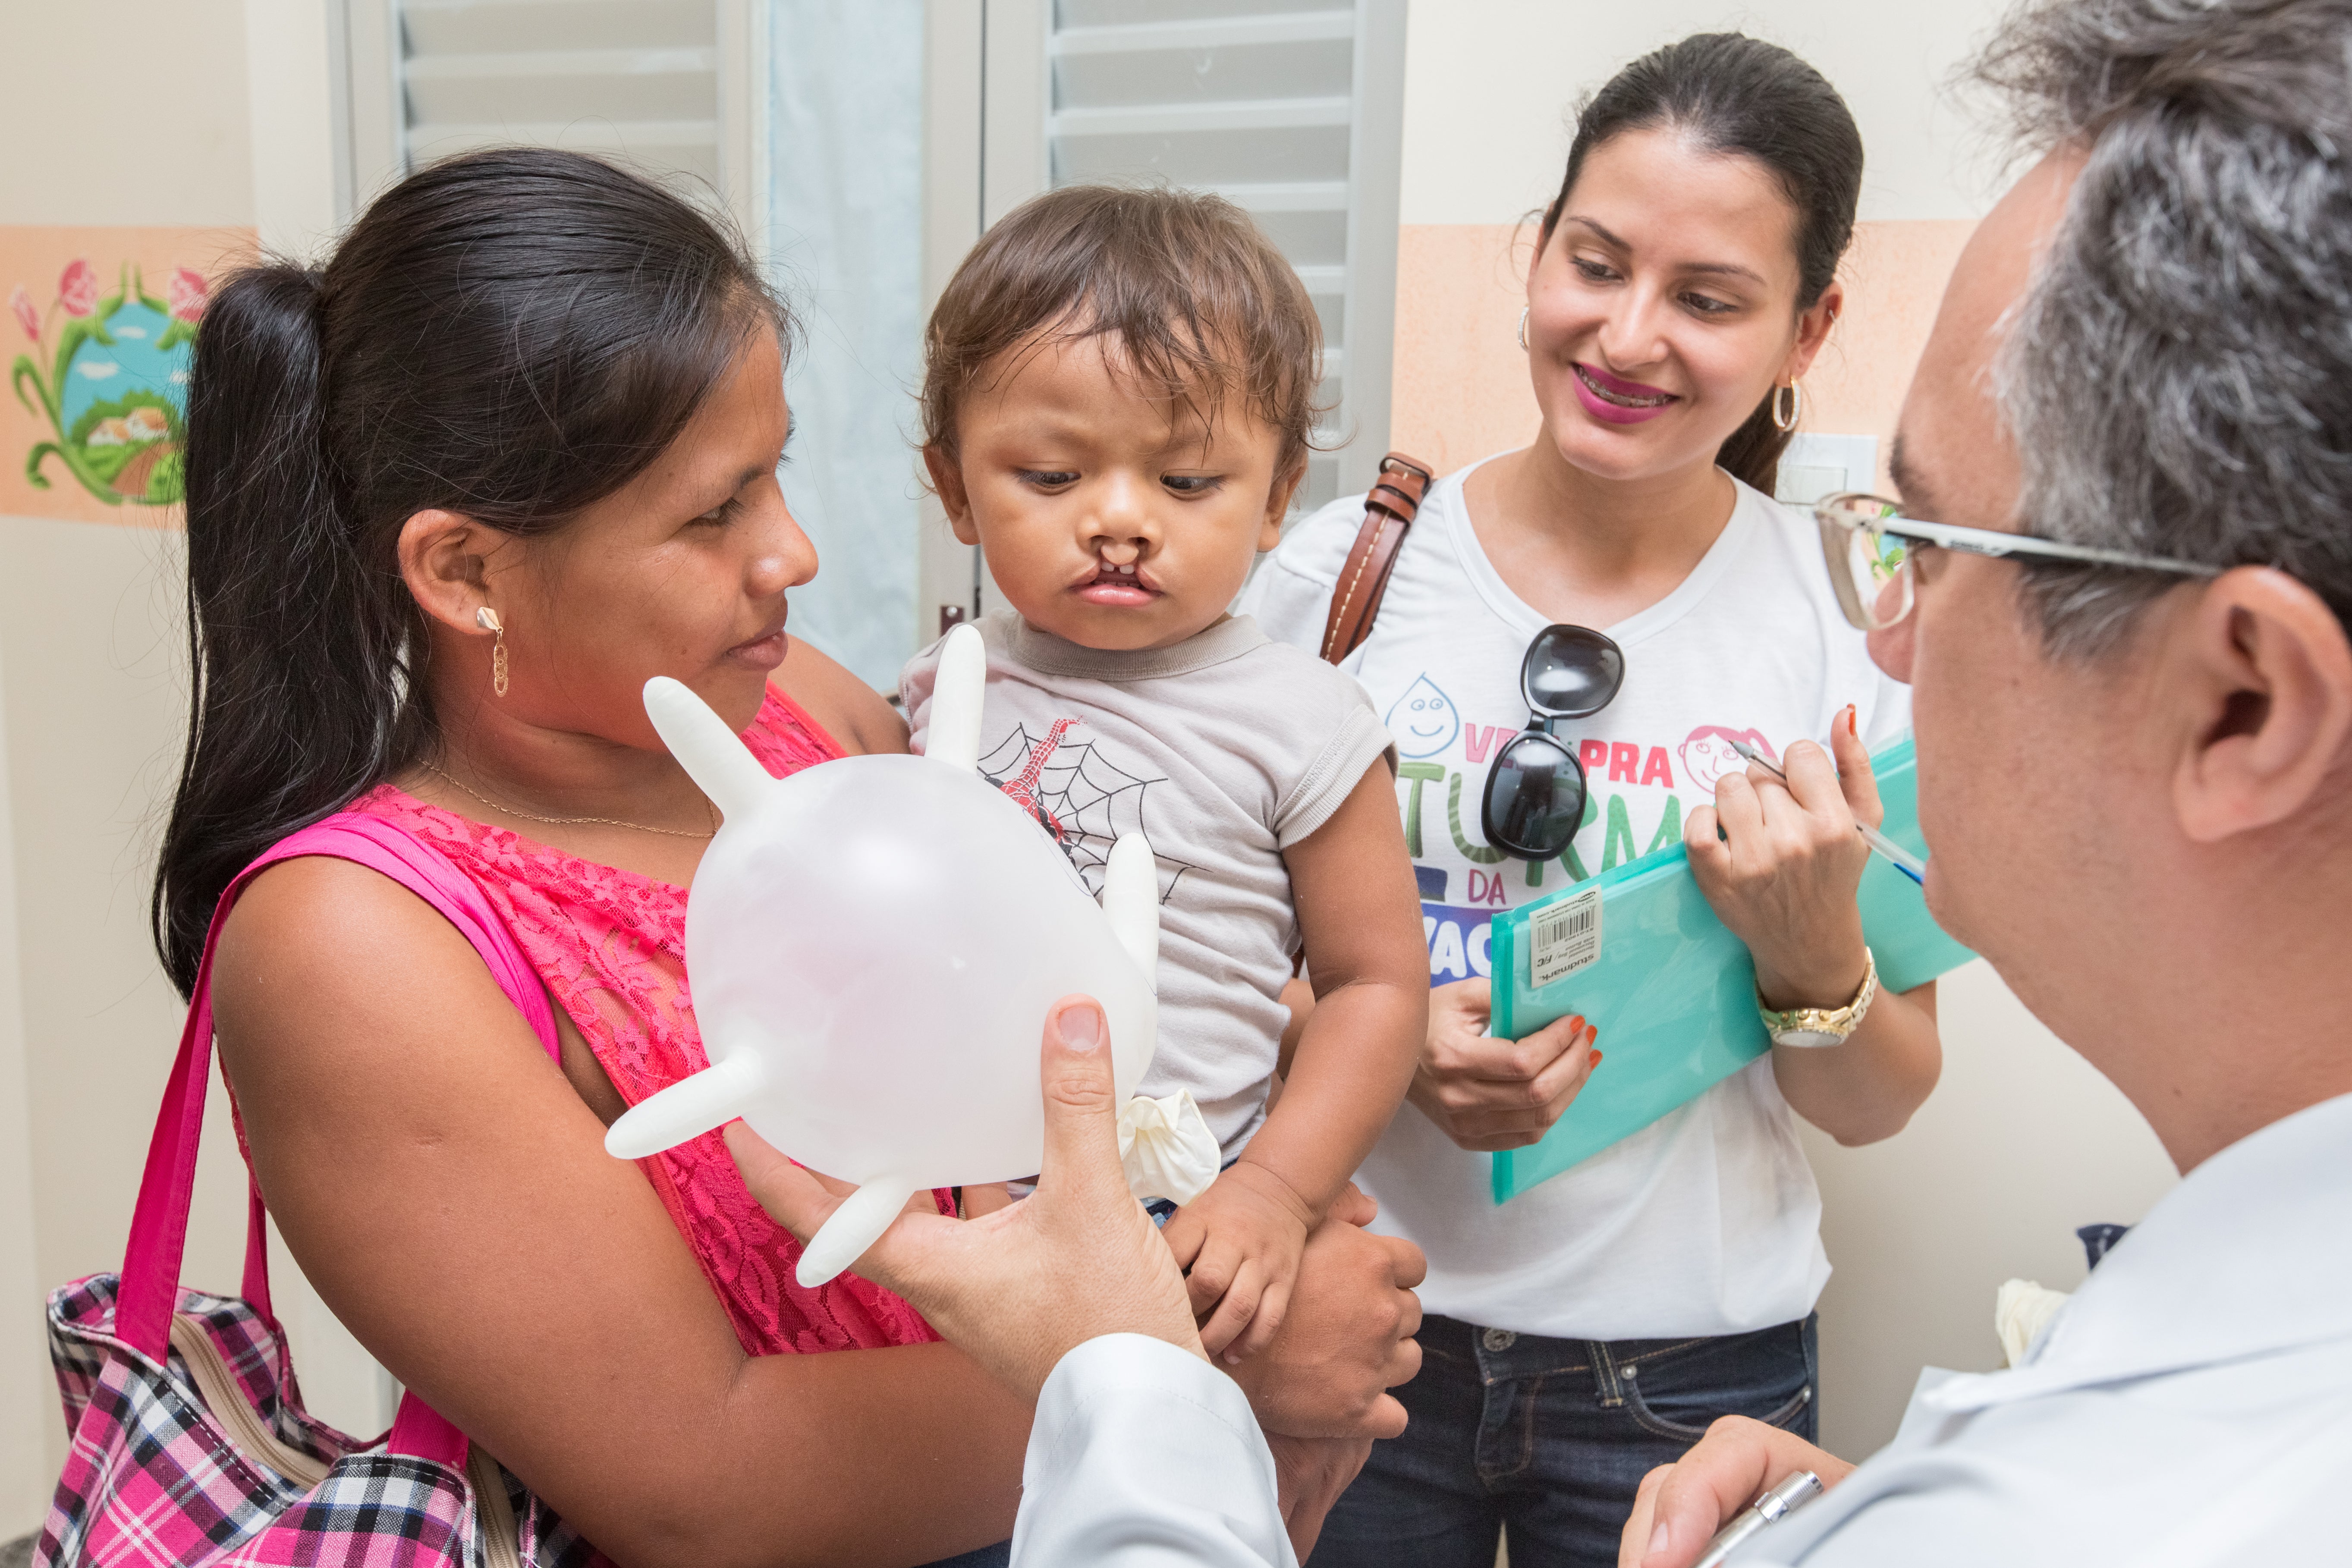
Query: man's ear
{"type": "Point", "coordinates": [1277, 505]}
{"type": "Point", "coordinates": [947, 479]}
{"type": "Point", "coordinates": [2269, 670]}
{"type": "Point", "coordinates": [444, 560]}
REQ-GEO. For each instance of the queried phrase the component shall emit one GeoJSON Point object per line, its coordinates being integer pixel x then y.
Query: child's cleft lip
{"type": "Point", "coordinates": [1124, 587]}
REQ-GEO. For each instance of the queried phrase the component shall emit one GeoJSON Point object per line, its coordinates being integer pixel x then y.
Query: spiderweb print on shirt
{"type": "Point", "coordinates": [1082, 799]}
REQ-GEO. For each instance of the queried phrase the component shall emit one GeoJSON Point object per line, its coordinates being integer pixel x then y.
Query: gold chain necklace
{"type": "Point", "coordinates": [572, 821]}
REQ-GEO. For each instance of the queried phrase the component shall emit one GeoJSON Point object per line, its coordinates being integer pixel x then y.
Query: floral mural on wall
{"type": "Point", "coordinates": [107, 374]}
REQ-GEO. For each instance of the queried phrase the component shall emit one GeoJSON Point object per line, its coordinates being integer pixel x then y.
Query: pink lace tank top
{"type": "Point", "coordinates": [610, 946]}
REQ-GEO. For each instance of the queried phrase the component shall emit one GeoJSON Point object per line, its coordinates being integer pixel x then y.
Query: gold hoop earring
{"type": "Point", "coordinates": [1796, 403]}
{"type": "Point", "coordinates": [488, 619]}
{"type": "Point", "coordinates": [1523, 329]}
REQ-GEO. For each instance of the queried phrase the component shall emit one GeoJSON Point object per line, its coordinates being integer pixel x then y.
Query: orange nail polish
{"type": "Point", "coordinates": [1850, 722]}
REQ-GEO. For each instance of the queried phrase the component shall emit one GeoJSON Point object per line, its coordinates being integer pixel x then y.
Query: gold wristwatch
{"type": "Point", "coordinates": [1822, 1025]}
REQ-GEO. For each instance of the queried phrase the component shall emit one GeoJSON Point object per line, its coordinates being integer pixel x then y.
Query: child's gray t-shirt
{"type": "Point", "coordinates": [1223, 751]}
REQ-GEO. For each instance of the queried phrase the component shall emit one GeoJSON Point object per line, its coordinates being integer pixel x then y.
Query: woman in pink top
{"type": "Point", "coordinates": [452, 501]}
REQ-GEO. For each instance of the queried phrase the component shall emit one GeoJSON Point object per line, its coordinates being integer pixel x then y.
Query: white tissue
{"type": "Point", "coordinates": [1167, 1148]}
{"type": "Point", "coordinates": [2022, 1311]}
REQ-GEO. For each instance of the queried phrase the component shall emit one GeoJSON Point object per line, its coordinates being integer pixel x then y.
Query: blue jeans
{"type": "Point", "coordinates": [1545, 1440]}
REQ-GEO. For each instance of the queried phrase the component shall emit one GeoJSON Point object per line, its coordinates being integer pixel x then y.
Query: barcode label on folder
{"type": "Point", "coordinates": [1564, 939]}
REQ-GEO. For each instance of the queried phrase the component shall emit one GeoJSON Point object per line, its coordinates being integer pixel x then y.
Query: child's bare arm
{"type": "Point", "coordinates": [1360, 915]}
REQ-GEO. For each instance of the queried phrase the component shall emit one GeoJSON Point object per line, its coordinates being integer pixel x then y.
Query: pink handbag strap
{"type": "Point", "coordinates": [159, 1225]}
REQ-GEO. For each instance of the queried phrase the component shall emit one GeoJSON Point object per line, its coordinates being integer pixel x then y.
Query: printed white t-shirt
{"type": "Point", "coordinates": [1707, 1222]}
{"type": "Point", "coordinates": [1226, 751]}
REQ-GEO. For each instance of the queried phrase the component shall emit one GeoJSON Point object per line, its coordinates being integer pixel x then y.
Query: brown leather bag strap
{"type": "Point", "coordinates": [1388, 515]}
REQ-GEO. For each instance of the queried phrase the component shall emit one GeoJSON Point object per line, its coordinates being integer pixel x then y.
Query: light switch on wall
{"type": "Point", "coordinates": [1817, 466]}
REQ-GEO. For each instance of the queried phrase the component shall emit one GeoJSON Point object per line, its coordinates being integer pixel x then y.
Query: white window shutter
{"type": "Point", "coordinates": [1289, 109]}
{"type": "Point", "coordinates": [658, 84]}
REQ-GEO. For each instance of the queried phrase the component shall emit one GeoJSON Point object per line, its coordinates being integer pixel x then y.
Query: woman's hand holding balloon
{"type": "Point", "coordinates": [1018, 1289]}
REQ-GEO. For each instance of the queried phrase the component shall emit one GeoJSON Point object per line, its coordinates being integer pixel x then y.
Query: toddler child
{"type": "Point", "coordinates": [1118, 394]}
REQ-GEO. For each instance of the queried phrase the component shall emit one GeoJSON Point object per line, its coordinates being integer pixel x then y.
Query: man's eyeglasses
{"type": "Point", "coordinates": [1535, 786]}
{"type": "Point", "coordinates": [1870, 545]}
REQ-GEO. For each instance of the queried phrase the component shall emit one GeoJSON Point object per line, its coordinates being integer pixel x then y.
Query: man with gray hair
{"type": "Point", "coordinates": [2125, 629]}
{"type": "Point", "coordinates": [2118, 582]}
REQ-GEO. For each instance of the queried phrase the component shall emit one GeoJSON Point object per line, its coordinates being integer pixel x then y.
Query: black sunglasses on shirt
{"type": "Point", "coordinates": [1535, 787]}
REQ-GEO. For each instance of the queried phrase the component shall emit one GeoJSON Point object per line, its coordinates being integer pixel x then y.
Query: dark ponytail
{"type": "Point", "coordinates": [512, 334]}
{"type": "Point", "coordinates": [1733, 93]}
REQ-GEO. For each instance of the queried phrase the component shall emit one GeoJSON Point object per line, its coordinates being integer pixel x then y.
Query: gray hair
{"type": "Point", "coordinates": [2178, 377]}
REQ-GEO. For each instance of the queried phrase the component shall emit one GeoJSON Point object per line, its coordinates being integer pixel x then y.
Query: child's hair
{"type": "Point", "coordinates": [1202, 304]}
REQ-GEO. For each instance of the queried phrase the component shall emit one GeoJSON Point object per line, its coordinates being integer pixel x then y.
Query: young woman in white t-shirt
{"type": "Point", "coordinates": [1592, 1327]}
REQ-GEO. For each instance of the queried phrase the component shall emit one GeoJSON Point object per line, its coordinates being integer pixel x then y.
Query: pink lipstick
{"type": "Point", "coordinates": [1616, 401]}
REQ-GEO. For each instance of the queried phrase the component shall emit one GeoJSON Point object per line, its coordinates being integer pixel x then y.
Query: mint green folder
{"type": "Point", "coordinates": [1672, 991]}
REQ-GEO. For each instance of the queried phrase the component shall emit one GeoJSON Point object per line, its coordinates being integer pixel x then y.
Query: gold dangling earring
{"type": "Point", "coordinates": [1796, 403]}
{"type": "Point", "coordinates": [488, 619]}
{"type": "Point", "coordinates": [1523, 329]}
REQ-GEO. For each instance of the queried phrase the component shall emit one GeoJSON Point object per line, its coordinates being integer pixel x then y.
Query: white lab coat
{"type": "Point", "coordinates": [2191, 1406]}
{"type": "Point", "coordinates": [1144, 1456]}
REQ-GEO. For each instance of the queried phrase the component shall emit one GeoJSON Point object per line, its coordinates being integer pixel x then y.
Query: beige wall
{"type": "Point", "coordinates": [26, 1395]}
{"type": "Point", "coordinates": [89, 720]}
{"type": "Point", "coordinates": [92, 694]}
{"type": "Point", "coordinates": [1490, 84]}
{"type": "Point", "coordinates": [184, 157]}
{"type": "Point", "coordinates": [2021, 1142]}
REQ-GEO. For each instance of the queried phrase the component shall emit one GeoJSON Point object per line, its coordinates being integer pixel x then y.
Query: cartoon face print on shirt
{"type": "Point", "coordinates": [1423, 720]}
{"type": "Point", "coordinates": [1707, 754]}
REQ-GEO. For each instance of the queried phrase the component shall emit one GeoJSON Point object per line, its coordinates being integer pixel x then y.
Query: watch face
{"type": "Point", "coordinates": [1807, 1038]}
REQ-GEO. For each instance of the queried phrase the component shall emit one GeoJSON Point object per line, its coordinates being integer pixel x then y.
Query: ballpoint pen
{"type": "Point", "coordinates": [1770, 1509]}
{"type": "Point", "coordinates": [1902, 859]}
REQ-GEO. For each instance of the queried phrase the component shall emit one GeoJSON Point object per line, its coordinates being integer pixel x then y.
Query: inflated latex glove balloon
{"type": "Point", "coordinates": [872, 945]}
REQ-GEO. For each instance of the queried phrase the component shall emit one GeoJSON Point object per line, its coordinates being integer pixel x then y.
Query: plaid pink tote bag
{"type": "Point", "coordinates": [190, 1443]}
